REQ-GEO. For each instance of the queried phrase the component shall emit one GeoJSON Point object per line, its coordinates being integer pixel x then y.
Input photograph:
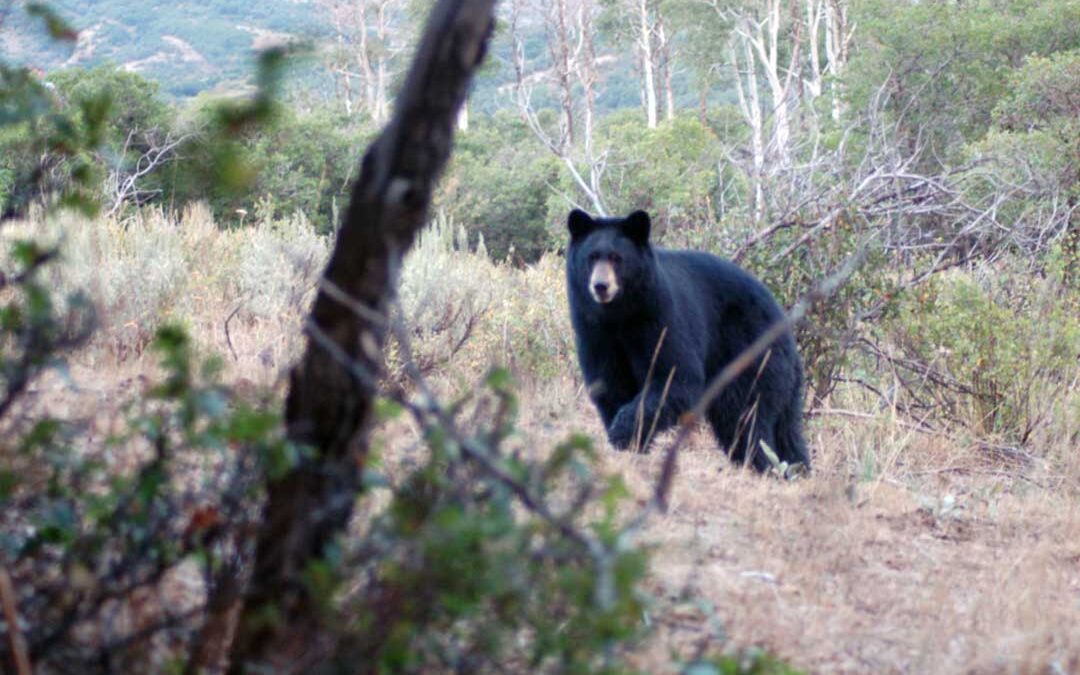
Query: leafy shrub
{"type": "Point", "coordinates": [751, 662]}
{"type": "Point", "coordinates": [459, 303]}
{"type": "Point", "coordinates": [48, 152]}
{"type": "Point", "coordinates": [497, 186]}
{"type": "Point", "coordinates": [292, 163]}
{"type": "Point", "coordinates": [484, 560]}
{"type": "Point", "coordinates": [99, 527]}
{"type": "Point", "coordinates": [446, 289]}
{"type": "Point", "coordinates": [277, 264]}
{"type": "Point", "coordinates": [304, 164]}
{"type": "Point", "coordinates": [151, 267]}
{"type": "Point", "coordinates": [135, 102]}
{"type": "Point", "coordinates": [1042, 95]}
{"type": "Point", "coordinates": [943, 65]}
{"type": "Point", "coordinates": [994, 348]}
{"type": "Point", "coordinates": [671, 171]}
{"type": "Point", "coordinates": [790, 266]}
{"type": "Point", "coordinates": [1030, 154]}
{"type": "Point", "coordinates": [532, 328]}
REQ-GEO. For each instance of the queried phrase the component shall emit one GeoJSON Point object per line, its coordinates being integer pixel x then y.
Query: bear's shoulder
{"type": "Point", "coordinates": [700, 264]}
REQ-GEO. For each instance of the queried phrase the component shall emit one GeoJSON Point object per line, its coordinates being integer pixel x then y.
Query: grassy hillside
{"type": "Point", "coordinates": [187, 46]}
{"type": "Point", "coordinates": [190, 47]}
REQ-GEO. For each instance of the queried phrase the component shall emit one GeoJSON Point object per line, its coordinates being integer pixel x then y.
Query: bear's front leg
{"type": "Point", "coordinates": [608, 379]}
{"type": "Point", "coordinates": [653, 413]}
{"type": "Point", "coordinates": [607, 399]}
{"type": "Point", "coordinates": [632, 424]}
{"type": "Point", "coordinates": [623, 430]}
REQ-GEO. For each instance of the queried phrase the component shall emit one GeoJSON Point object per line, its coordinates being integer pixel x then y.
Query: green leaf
{"type": "Point", "coordinates": [500, 380]}
{"type": "Point", "coordinates": [57, 27]}
{"type": "Point", "coordinates": [386, 409]}
{"type": "Point", "coordinates": [8, 483]}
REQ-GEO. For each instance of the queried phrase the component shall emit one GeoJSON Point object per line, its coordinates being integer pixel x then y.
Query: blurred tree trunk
{"type": "Point", "coordinates": [332, 389]}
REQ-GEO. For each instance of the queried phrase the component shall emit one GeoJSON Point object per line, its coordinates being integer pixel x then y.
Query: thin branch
{"type": "Point", "coordinates": [11, 617]}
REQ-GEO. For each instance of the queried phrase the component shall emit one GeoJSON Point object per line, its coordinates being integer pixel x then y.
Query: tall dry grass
{"type": "Point", "coordinates": [240, 292]}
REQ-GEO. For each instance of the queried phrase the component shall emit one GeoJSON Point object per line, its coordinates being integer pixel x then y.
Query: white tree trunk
{"type": "Point", "coordinates": [750, 106]}
{"type": "Point", "coordinates": [463, 116]}
{"type": "Point", "coordinates": [837, 40]}
{"type": "Point", "coordinates": [380, 109]}
{"type": "Point", "coordinates": [523, 95]}
{"type": "Point", "coordinates": [367, 45]}
{"type": "Point", "coordinates": [559, 29]}
{"type": "Point", "coordinates": [587, 76]}
{"type": "Point", "coordinates": [647, 65]}
{"type": "Point", "coordinates": [764, 36]}
{"type": "Point", "coordinates": [814, 13]}
{"type": "Point", "coordinates": [363, 58]}
{"type": "Point", "coordinates": [664, 47]}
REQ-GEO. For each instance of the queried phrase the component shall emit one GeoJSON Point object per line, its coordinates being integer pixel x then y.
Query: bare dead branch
{"type": "Point", "coordinates": [583, 69]}
{"type": "Point", "coordinates": [122, 184]}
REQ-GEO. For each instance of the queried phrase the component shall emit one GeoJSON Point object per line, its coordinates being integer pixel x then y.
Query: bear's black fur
{"type": "Point", "coordinates": [624, 294]}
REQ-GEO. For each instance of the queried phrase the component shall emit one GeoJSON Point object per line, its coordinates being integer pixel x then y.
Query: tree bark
{"type": "Point", "coordinates": [333, 387]}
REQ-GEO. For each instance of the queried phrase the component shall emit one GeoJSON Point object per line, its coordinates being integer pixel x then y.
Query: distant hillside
{"type": "Point", "coordinates": [193, 46]}
{"type": "Point", "coordinates": [187, 46]}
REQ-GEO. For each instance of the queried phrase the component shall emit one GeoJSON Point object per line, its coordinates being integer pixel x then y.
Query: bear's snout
{"type": "Point", "coordinates": [603, 283]}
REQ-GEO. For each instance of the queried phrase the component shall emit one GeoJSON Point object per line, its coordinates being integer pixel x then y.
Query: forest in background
{"type": "Point", "coordinates": [930, 152]}
{"type": "Point", "coordinates": [755, 106]}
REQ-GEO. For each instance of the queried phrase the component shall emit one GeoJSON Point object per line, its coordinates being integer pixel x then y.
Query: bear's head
{"type": "Point", "coordinates": [608, 257]}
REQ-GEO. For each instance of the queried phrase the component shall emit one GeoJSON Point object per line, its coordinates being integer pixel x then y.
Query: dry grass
{"type": "Point", "coordinates": [943, 560]}
{"type": "Point", "coordinates": [904, 552]}
{"type": "Point", "coordinates": [241, 293]}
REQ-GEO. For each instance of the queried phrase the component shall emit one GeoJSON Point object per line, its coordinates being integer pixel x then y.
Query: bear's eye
{"type": "Point", "coordinates": [616, 258]}
{"type": "Point", "coordinates": [594, 256]}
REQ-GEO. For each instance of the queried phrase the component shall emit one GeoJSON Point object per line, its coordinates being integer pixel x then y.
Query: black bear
{"type": "Point", "coordinates": [674, 319]}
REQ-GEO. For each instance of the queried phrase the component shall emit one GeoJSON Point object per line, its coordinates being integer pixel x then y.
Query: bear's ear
{"type": "Point", "coordinates": [636, 226]}
{"type": "Point", "coordinates": [580, 224]}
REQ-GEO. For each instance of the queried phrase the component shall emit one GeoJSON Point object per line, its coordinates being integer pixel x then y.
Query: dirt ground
{"type": "Point", "coordinates": [904, 552]}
